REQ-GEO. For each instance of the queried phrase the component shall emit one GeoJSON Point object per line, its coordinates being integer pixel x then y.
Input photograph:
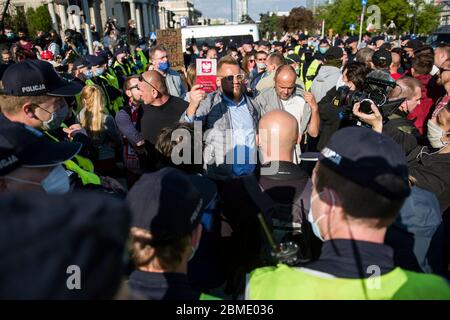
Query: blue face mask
{"type": "Point", "coordinates": [99, 72]}
{"type": "Point", "coordinates": [164, 66]}
{"type": "Point", "coordinates": [88, 74]}
{"type": "Point", "coordinates": [314, 224]}
{"type": "Point", "coordinates": [322, 50]}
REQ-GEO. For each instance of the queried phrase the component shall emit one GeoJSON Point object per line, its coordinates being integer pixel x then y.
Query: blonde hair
{"type": "Point", "coordinates": [191, 74]}
{"type": "Point", "coordinates": [94, 103]}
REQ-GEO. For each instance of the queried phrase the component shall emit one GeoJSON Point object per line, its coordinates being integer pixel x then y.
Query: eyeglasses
{"type": "Point", "coordinates": [441, 70]}
{"type": "Point", "coordinates": [136, 86]}
{"type": "Point", "coordinates": [239, 77]}
{"type": "Point", "coordinates": [141, 78]}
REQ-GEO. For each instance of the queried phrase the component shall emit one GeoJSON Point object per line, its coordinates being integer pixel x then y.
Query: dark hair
{"type": "Point", "coordinates": [261, 52]}
{"type": "Point", "coordinates": [356, 73]}
{"type": "Point", "coordinates": [232, 49]}
{"type": "Point", "coordinates": [245, 62]}
{"type": "Point", "coordinates": [168, 139]}
{"type": "Point", "coordinates": [423, 63]}
{"type": "Point", "coordinates": [144, 247]}
{"type": "Point", "coordinates": [358, 201]}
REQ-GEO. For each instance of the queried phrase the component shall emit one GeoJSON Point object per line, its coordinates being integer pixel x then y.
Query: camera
{"type": "Point", "coordinates": [378, 85]}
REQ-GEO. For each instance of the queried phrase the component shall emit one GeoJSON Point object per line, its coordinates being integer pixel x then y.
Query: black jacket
{"type": "Point", "coordinates": [432, 172]}
{"type": "Point", "coordinates": [402, 131]}
{"type": "Point", "coordinates": [329, 117]}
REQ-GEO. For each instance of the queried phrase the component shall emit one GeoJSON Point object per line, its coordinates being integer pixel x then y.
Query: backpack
{"type": "Point", "coordinates": [286, 222]}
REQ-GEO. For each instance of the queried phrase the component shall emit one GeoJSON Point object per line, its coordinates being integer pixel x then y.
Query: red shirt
{"type": "Point", "coordinates": [420, 114]}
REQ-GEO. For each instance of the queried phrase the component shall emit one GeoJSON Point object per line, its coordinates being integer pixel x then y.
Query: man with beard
{"type": "Point", "coordinates": [230, 118]}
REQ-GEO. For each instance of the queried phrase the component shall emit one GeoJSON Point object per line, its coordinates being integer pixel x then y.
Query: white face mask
{"type": "Point", "coordinates": [56, 118]}
{"type": "Point", "coordinates": [436, 134]}
{"type": "Point", "coordinates": [57, 182]}
{"type": "Point", "coordinates": [314, 224]}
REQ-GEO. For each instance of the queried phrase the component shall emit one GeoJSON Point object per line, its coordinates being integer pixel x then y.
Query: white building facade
{"type": "Point", "coordinates": [144, 12]}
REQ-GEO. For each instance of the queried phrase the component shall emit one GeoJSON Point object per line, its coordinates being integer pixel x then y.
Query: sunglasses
{"type": "Point", "coordinates": [141, 78]}
{"type": "Point", "coordinates": [441, 70]}
{"type": "Point", "coordinates": [251, 61]}
{"type": "Point", "coordinates": [239, 77]}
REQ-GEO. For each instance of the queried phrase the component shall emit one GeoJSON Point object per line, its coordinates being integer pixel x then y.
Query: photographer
{"type": "Point", "coordinates": [72, 45]}
{"type": "Point", "coordinates": [354, 76]}
{"type": "Point", "coordinates": [398, 126]}
{"type": "Point", "coordinates": [428, 166]}
{"type": "Point", "coordinates": [132, 35]}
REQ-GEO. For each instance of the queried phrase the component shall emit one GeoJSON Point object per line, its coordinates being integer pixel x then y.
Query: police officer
{"type": "Point", "coordinates": [98, 66]}
{"type": "Point", "coordinates": [122, 67]}
{"type": "Point", "coordinates": [37, 100]}
{"type": "Point", "coordinates": [359, 186]}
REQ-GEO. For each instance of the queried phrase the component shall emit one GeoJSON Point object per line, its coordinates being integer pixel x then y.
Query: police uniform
{"type": "Point", "coordinates": [353, 268]}
{"type": "Point", "coordinates": [42, 79]}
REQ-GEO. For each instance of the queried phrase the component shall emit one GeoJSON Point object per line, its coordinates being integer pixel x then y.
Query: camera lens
{"type": "Point", "coordinates": [365, 106]}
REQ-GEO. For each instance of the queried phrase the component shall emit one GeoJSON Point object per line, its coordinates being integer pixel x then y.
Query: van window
{"type": "Point", "coordinates": [227, 40]}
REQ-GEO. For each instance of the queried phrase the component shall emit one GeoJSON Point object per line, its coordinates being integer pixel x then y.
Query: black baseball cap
{"type": "Point", "coordinates": [302, 37]}
{"type": "Point", "coordinates": [36, 77]}
{"type": "Point", "coordinates": [368, 158]}
{"type": "Point", "coordinates": [120, 50]}
{"type": "Point", "coordinates": [382, 58]}
{"type": "Point", "coordinates": [264, 43]}
{"type": "Point", "coordinates": [334, 53]}
{"type": "Point", "coordinates": [247, 41]}
{"type": "Point", "coordinates": [96, 60]}
{"type": "Point", "coordinates": [338, 42]}
{"type": "Point", "coordinates": [414, 44]}
{"type": "Point", "coordinates": [351, 40]}
{"type": "Point", "coordinates": [293, 58]}
{"type": "Point", "coordinates": [169, 203]}
{"type": "Point", "coordinates": [80, 63]}
{"type": "Point", "coordinates": [21, 145]}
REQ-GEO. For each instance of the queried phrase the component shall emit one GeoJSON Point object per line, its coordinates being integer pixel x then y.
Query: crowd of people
{"type": "Point", "coordinates": [318, 169]}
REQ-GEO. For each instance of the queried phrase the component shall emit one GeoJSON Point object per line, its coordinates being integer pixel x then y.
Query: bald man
{"type": "Point", "coordinates": [286, 95]}
{"type": "Point", "coordinates": [159, 110]}
{"type": "Point", "coordinates": [277, 136]}
{"type": "Point", "coordinates": [278, 178]}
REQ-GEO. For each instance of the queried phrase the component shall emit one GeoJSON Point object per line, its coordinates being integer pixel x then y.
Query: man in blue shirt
{"type": "Point", "coordinates": [230, 119]}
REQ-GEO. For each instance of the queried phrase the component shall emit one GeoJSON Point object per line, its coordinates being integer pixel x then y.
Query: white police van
{"type": "Point", "coordinates": [233, 34]}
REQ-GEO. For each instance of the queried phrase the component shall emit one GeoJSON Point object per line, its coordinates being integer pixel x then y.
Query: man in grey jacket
{"type": "Point", "coordinates": [288, 96]}
{"type": "Point", "coordinates": [230, 119]}
{"type": "Point", "coordinates": [160, 62]}
{"type": "Point", "coordinates": [329, 73]}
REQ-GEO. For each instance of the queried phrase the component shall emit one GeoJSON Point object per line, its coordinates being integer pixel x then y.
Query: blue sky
{"type": "Point", "coordinates": [221, 8]}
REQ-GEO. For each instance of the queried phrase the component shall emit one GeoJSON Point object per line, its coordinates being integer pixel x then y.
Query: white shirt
{"type": "Point", "coordinates": [295, 106]}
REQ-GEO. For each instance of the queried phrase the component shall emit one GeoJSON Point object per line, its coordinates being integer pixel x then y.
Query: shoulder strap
{"type": "Point", "coordinates": [264, 202]}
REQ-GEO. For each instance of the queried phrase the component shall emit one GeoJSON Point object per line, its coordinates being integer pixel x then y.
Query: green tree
{"type": "Point", "coordinates": [38, 19]}
{"type": "Point", "coordinates": [342, 13]}
{"type": "Point", "coordinates": [17, 21]}
{"type": "Point", "coordinates": [427, 17]}
{"type": "Point", "coordinates": [300, 19]}
{"type": "Point", "coordinates": [268, 24]}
